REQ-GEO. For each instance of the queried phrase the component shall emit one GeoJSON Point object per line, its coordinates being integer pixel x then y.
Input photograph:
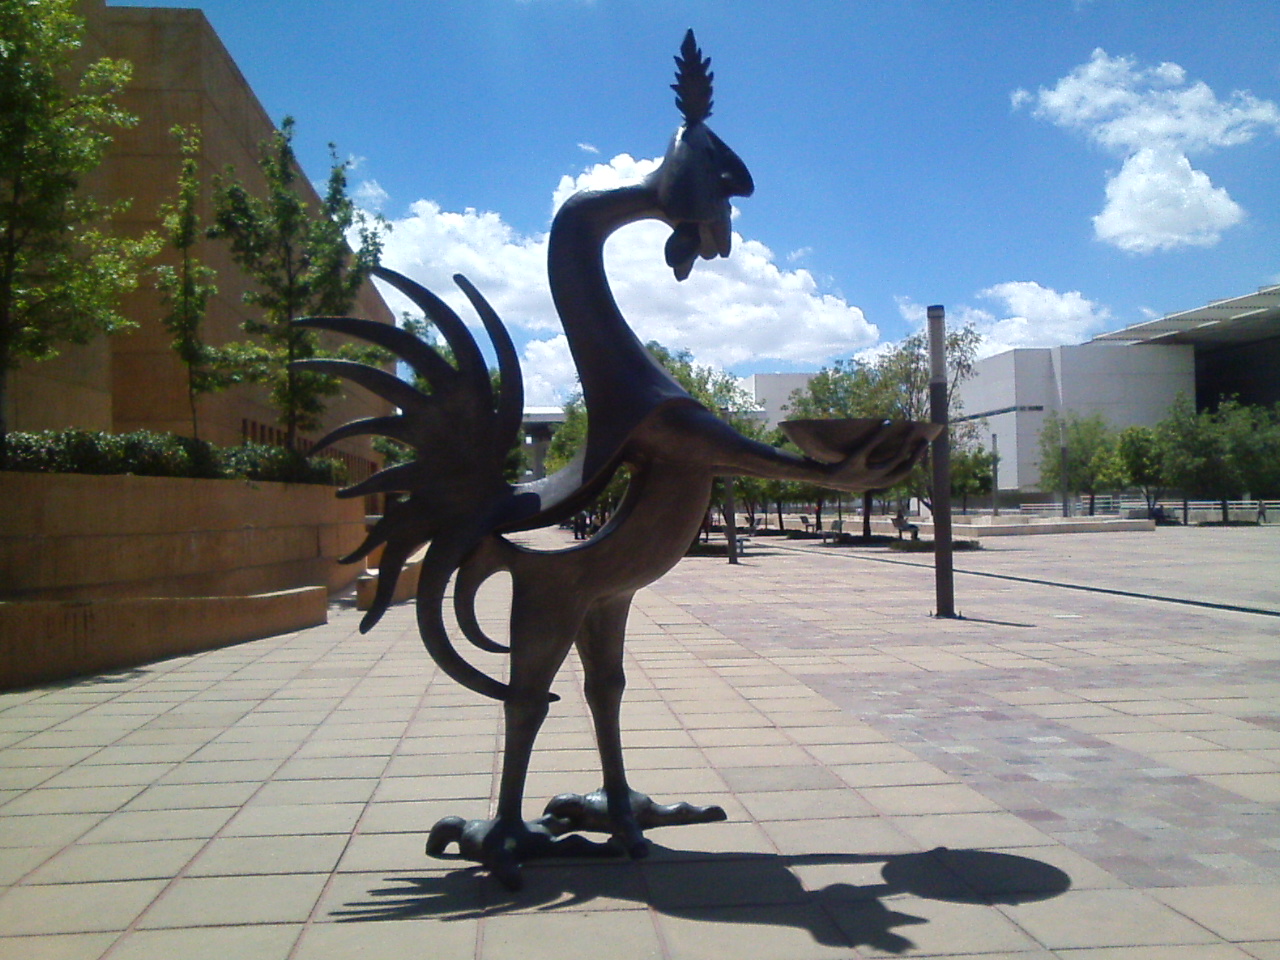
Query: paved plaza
{"type": "Point", "coordinates": [1086, 766]}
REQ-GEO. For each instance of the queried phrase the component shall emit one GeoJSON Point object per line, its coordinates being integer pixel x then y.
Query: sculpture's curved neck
{"type": "Point", "coordinates": [621, 382]}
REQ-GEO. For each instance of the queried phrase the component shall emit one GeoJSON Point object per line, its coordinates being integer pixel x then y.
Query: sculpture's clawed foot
{"type": "Point", "coordinates": [593, 812]}
{"type": "Point", "coordinates": [501, 846]}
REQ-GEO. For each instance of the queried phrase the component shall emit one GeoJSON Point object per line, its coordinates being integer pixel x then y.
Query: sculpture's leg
{"type": "Point", "coordinates": [600, 648]}
{"type": "Point", "coordinates": [616, 808]}
{"type": "Point", "coordinates": [535, 660]}
{"type": "Point", "coordinates": [540, 638]}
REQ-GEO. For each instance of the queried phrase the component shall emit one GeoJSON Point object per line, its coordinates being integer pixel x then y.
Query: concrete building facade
{"type": "Point", "coordinates": [772, 392]}
{"type": "Point", "coordinates": [1010, 395]}
{"type": "Point", "coordinates": [1227, 348]}
{"type": "Point", "coordinates": [182, 74]}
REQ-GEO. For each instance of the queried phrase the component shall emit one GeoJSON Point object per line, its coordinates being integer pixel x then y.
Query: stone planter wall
{"type": "Point", "coordinates": [106, 572]}
{"type": "Point", "coordinates": [83, 537]}
{"type": "Point", "coordinates": [43, 641]}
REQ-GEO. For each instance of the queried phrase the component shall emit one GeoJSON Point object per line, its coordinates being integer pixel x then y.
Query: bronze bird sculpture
{"type": "Point", "coordinates": [456, 500]}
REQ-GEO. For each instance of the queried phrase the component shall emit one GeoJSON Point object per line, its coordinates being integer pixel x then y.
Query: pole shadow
{"type": "Point", "coordinates": [764, 889]}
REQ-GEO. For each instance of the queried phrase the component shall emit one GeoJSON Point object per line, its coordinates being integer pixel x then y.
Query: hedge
{"type": "Point", "coordinates": [150, 454]}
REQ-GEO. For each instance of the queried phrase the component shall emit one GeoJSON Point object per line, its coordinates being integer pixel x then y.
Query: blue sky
{"type": "Point", "coordinates": [1047, 169]}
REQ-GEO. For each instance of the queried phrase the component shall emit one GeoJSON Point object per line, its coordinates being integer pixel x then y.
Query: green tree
{"type": "Point", "coordinates": [714, 389]}
{"type": "Point", "coordinates": [851, 388]}
{"type": "Point", "coordinates": [1197, 454]}
{"type": "Point", "coordinates": [1092, 464]}
{"type": "Point", "coordinates": [777, 493]}
{"type": "Point", "coordinates": [1222, 454]}
{"type": "Point", "coordinates": [717, 391]}
{"type": "Point", "coordinates": [61, 271]}
{"type": "Point", "coordinates": [1253, 446]}
{"type": "Point", "coordinates": [565, 443]}
{"type": "Point", "coordinates": [301, 265]}
{"type": "Point", "coordinates": [1141, 460]}
{"type": "Point", "coordinates": [972, 473]}
{"type": "Point", "coordinates": [893, 385]}
{"type": "Point", "coordinates": [185, 288]}
{"type": "Point", "coordinates": [569, 436]}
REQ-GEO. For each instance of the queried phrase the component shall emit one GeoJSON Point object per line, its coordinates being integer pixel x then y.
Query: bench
{"type": "Point", "coordinates": [835, 532]}
{"type": "Point", "coordinates": [807, 522]}
{"type": "Point", "coordinates": [903, 525]}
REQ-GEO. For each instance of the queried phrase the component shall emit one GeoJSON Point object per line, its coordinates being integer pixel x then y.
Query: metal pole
{"type": "Point", "coordinates": [1066, 489]}
{"type": "Point", "coordinates": [995, 475]}
{"type": "Point", "coordinates": [730, 505]}
{"type": "Point", "coordinates": [942, 556]}
{"type": "Point", "coordinates": [730, 519]}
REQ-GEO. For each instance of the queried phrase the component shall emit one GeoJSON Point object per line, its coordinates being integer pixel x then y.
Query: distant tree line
{"type": "Point", "coordinates": [893, 385]}
{"type": "Point", "coordinates": [1225, 454]}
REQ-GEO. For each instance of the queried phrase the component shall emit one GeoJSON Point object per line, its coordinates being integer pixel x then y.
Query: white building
{"type": "Point", "coordinates": [1011, 393]}
{"type": "Point", "coordinates": [539, 425]}
{"type": "Point", "coordinates": [1131, 377]}
{"type": "Point", "coordinates": [772, 391]}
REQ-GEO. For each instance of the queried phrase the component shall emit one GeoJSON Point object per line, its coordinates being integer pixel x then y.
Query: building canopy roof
{"type": "Point", "coordinates": [1254, 316]}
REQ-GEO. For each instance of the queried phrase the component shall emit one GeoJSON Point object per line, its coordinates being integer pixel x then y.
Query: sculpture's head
{"type": "Point", "coordinates": [699, 173]}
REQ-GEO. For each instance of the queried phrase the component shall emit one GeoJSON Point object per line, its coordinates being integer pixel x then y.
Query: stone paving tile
{"type": "Point", "coordinates": [404, 939]}
{"type": "Point", "coordinates": [1106, 918]}
{"type": "Point", "coordinates": [547, 936]}
{"type": "Point", "coordinates": [1233, 912]}
{"type": "Point", "coordinates": [46, 828]}
{"type": "Point", "coordinates": [209, 943]}
{"type": "Point", "coordinates": [65, 946]}
{"type": "Point", "coordinates": [101, 862]}
{"type": "Point", "coordinates": [142, 825]}
{"type": "Point", "coordinates": [82, 907]}
{"type": "Point", "coordinates": [970, 726]}
{"type": "Point", "coordinates": [770, 932]}
{"type": "Point", "coordinates": [238, 856]}
{"type": "Point", "coordinates": [226, 901]}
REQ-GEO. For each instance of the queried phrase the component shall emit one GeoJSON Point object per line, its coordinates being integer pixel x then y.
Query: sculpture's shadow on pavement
{"type": "Point", "coordinates": [733, 888]}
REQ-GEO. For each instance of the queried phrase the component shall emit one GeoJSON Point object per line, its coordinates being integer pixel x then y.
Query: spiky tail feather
{"type": "Point", "coordinates": [482, 563]}
{"type": "Point", "coordinates": [451, 510]}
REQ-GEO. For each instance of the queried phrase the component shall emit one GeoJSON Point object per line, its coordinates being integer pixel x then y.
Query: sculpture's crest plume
{"type": "Point", "coordinates": [693, 82]}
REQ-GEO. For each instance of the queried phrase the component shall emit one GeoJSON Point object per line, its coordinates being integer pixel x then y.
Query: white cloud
{"type": "Point", "coordinates": [729, 311]}
{"type": "Point", "coordinates": [1038, 316]}
{"type": "Point", "coordinates": [1155, 118]}
{"type": "Point", "coordinates": [430, 245]}
{"type": "Point", "coordinates": [1028, 315]}
{"type": "Point", "coordinates": [621, 170]}
{"type": "Point", "coordinates": [1158, 202]}
{"type": "Point", "coordinates": [549, 374]}
{"type": "Point", "coordinates": [370, 196]}
{"type": "Point", "coordinates": [1124, 107]}
{"type": "Point", "coordinates": [588, 148]}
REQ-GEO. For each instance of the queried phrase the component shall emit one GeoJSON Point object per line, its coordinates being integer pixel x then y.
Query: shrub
{"type": "Point", "coordinates": [261, 461]}
{"type": "Point", "coordinates": [151, 454]}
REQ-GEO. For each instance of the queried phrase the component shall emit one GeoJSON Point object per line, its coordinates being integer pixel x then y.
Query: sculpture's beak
{"type": "Point", "coordinates": [697, 177]}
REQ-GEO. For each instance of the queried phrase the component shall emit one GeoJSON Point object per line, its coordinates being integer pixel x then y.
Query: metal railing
{"type": "Point", "coordinates": [1126, 506]}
